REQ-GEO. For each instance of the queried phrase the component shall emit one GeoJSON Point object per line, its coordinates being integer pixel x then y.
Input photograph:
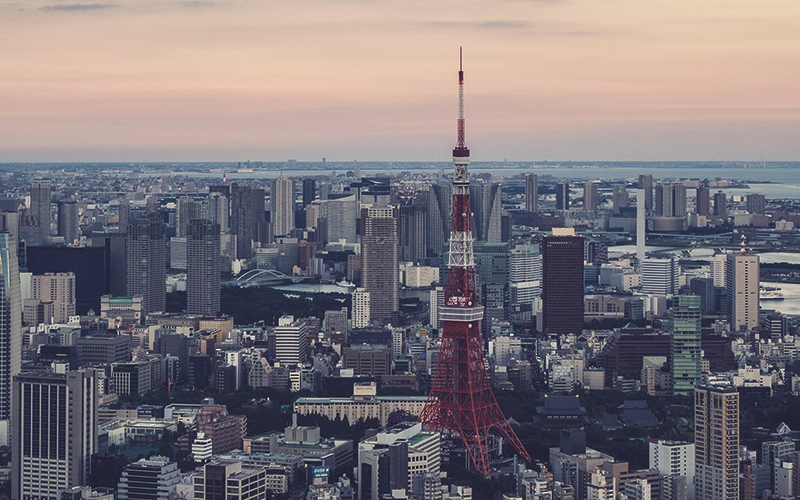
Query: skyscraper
{"type": "Point", "coordinates": [146, 260]}
{"type": "Point", "coordinates": [59, 289]}
{"type": "Point", "coordinates": [291, 346]}
{"type": "Point", "coordinates": [562, 291]}
{"type": "Point", "coordinates": [124, 214]}
{"type": "Point", "coordinates": [531, 192]}
{"type": "Point", "coordinates": [68, 221]}
{"type": "Point", "coordinates": [379, 260]}
{"type": "Point", "coordinates": [281, 200]}
{"type": "Point", "coordinates": [242, 220]}
{"type": "Point", "coordinates": [524, 276]}
{"type": "Point", "coordinates": [720, 204]}
{"type": "Point", "coordinates": [756, 203]}
{"type": "Point", "coordinates": [87, 263]}
{"type": "Point", "coordinates": [660, 276]}
{"type": "Point", "coordinates": [188, 209]}
{"type": "Point", "coordinates": [741, 290]}
{"type": "Point", "coordinates": [55, 432]}
{"type": "Point", "coordinates": [671, 199]}
{"type": "Point", "coordinates": [10, 326]}
{"type": "Point", "coordinates": [486, 208]}
{"type": "Point", "coordinates": [620, 198]}
{"type": "Point", "coordinates": [219, 210]}
{"type": "Point", "coordinates": [114, 245]}
{"type": "Point", "coordinates": [646, 183]}
{"type": "Point", "coordinates": [703, 201]}
{"type": "Point", "coordinates": [202, 296]}
{"type": "Point", "coordinates": [716, 443]}
{"type": "Point", "coordinates": [309, 191]}
{"type": "Point", "coordinates": [40, 208]}
{"type": "Point", "coordinates": [562, 195]}
{"type": "Point", "coordinates": [590, 198]}
{"type": "Point", "coordinates": [685, 348]}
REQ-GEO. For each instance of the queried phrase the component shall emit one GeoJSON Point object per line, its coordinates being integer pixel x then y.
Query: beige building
{"type": "Point", "coordinates": [716, 440]}
{"type": "Point", "coordinates": [364, 404]}
{"type": "Point", "coordinates": [58, 289]}
{"type": "Point", "coordinates": [741, 287]}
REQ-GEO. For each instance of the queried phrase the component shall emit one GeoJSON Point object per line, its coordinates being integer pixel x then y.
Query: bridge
{"type": "Point", "coordinates": [266, 277]}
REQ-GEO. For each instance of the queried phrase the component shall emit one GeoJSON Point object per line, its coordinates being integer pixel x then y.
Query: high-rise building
{"type": "Point", "coordinates": [379, 261]}
{"type": "Point", "coordinates": [716, 441]}
{"type": "Point", "coordinates": [291, 346]}
{"type": "Point", "coordinates": [412, 232]}
{"type": "Point", "coordinates": [704, 288]}
{"type": "Point", "coordinates": [720, 204]}
{"type": "Point", "coordinates": [756, 203]}
{"type": "Point", "coordinates": [674, 458]}
{"type": "Point", "coordinates": [660, 276]}
{"type": "Point", "coordinates": [202, 259]}
{"type": "Point", "coordinates": [219, 210]}
{"type": "Point", "coordinates": [524, 275]}
{"type": "Point", "coordinates": [188, 209]}
{"type": "Point", "coordinates": [486, 211]}
{"type": "Point", "coordinates": [68, 222]}
{"type": "Point", "coordinates": [703, 201]}
{"type": "Point", "coordinates": [10, 326]}
{"type": "Point", "coordinates": [54, 432]}
{"type": "Point", "coordinates": [741, 290]}
{"type": "Point", "coordinates": [562, 195]}
{"type": "Point", "coordinates": [646, 183]}
{"type": "Point", "coordinates": [685, 349]}
{"type": "Point", "coordinates": [59, 289]}
{"type": "Point", "coordinates": [154, 478]}
{"type": "Point", "coordinates": [258, 222]}
{"type": "Point", "coordinates": [309, 191]}
{"type": "Point", "coordinates": [562, 283]}
{"type": "Point", "coordinates": [114, 246]}
{"type": "Point", "coordinates": [671, 199]}
{"type": "Point", "coordinates": [242, 219]}
{"type": "Point", "coordinates": [531, 192]}
{"type": "Point", "coordinates": [87, 263]}
{"type": "Point", "coordinates": [281, 201]}
{"type": "Point", "coordinates": [619, 198]}
{"type": "Point", "coordinates": [124, 214]}
{"type": "Point", "coordinates": [590, 197]}
{"type": "Point", "coordinates": [146, 260]}
{"type": "Point", "coordinates": [361, 308]}
{"type": "Point", "coordinates": [40, 208]}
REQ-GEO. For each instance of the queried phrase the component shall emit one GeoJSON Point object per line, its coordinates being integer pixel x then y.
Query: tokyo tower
{"type": "Point", "coordinates": [461, 399]}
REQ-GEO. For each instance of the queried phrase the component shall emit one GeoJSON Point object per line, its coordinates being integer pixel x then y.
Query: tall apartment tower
{"type": "Point", "coordinates": [281, 201]}
{"type": "Point", "coordinates": [685, 349]}
{"type": "Point", "coordinates": [68, 221]}
{"type": "Point", "coordinates": [562, 290]}
{"type": "Point", "coordinates": [756, 203]}
{"type": "Point", "coordinates": [124, 214]}
{"type": "Point", "coordinates": [590, 198]}
{"type": "Point", "coordinates": [741, 290]}
{"type": "Point", "coordinates": [146, 263]}
{"type": "Point", "coordinates": [40, 207]}
{"type": "Point", "coordinates": [646, 183]}
{"type": "Point", "coordinates": [702, 201]}
{"type": "Point", "coordinates": [720, 204]}
{"type": "Point", "coordinates": [202, 259]}
{"type": "Point", "coordinates": [524, 275]}
{"type": "Point", "coordinates": [671, 199]}
{"type": "Point", "coordinates": [309, 191]}
{"type": "Point", "coordinates": [54, 432]}
{"type": "Point", "coordinates": [716, 443]}
{"type": "Point", "coordinates": [242, 219]}
{"type": "Point", "coordinates": [562, 195]}
{"type": "Point", "coordinates": [379, 260]}
{"type": "Point", "coordinates": [188, 209]}
{"type": "Point", "coordinates": [486, 212]}
{"type": "Point", "coordinates": [531, 192]}
{"type": "Point", "coordinates": [361, 308]}
{"type": "Point", "coordinates": [10, 326]}
{"type": "Point", "coordinates": [219, 210]}
{"type": "Point", "coordinates": [58, 288]}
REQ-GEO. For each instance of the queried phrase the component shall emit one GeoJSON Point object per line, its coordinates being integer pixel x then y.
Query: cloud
{"type": "Point", "coordinates": [197, 4]}
{"type": "Point", "coordinates": [488, 25]}
{"type": "Point", "coordinates": [76, 7]}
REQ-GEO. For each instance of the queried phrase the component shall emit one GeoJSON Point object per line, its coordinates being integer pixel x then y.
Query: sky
{"type": "Point", "coordinates": [376, 80]}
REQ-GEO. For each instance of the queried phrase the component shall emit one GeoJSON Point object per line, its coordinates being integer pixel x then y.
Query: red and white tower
{"type": "Point", "coordinates": [461, 399]}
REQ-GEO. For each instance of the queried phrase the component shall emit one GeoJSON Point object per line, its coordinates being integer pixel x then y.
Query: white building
{"type": "Point", "coordinates": [291, 345]}
{"type": "Point", "coordinates": [660, 276]}
{"type": "Point", "coordinates": [674, 458]}
{"type": "Point", "coordinates": [361, 308]}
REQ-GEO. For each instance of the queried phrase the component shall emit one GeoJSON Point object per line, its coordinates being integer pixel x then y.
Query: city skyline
{"type": "Point", "coordinates": [558, 80]}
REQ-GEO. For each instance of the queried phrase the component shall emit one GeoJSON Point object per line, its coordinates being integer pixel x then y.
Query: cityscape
{"type": "Point", "coordinates": [563, 265]}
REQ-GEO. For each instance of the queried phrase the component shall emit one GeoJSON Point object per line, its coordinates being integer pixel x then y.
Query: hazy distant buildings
{"type": "Point", "coordinates": [379, 260]}
{"type": "Point", "coordinates": [619, 198]}
{"type": "Point", "coordinates": [486, 212]}
{"type": "Point", "coordinates": [68, 221]}
{"type": "Point", "coordinates": [219, 210]}
{"type": "Point", "coordinates": [756, 204]}
{"type": "Point", "coordinates": [40, 208]}
{"type": "Point", "coordinates": [670, 199]}
{"type": "Point", "coordinates": [146, 263]}
{"type": "Point", "coordinates": [282, 205]}
{"type": "Point", "coordinates": [531, 192]}
{"type": "Point", "coordinates": [562, 291]}
{"type": "Point", "coordinates": [241, 219]}
{"type": "Point", "coordinates": [590, 197]}
{"type": "Point", "coordinates": [720, 204]}
{"type": "Point", "coordinates": [646, 183]}
{"type": "Point", "coordinates": [203, 279]}
{"type": "Point", "coordinates": [562, 196]}
{"type": "Point", "coordinates": [703, 201]}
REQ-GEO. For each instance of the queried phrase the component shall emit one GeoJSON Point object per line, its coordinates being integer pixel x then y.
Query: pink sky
{"type": "Point", "coordinates": [230, 80]}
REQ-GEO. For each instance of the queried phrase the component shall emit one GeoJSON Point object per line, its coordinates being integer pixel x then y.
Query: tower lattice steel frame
{"type": "Point", "coordinates": [461, 399]}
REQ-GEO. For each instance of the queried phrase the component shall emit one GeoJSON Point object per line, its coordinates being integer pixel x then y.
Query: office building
{"type": "Point", "coordinates": [291, 346]}
{"type": "Point", "coordinates": [486, 212]}
{"type": "Point", "coordinates": [379, 261]}
{"type": "Point", "coordinates": [40, 209]}
{"type": "Point", "coordinates": [115, 248]}
{"type": "Point", "coordinates": [226, 432]}
{"type": "Point", "coordinates": [742, 287]}
{"type": "Point", "coordinates": [68, 222]}
{"type": "Point", "coordinates": [756, 203]}
{"type": "Point", "coordinates": [55, 432]}
{"type": "Point", "coordinates": [670, 199]}
{"type": "Point", "coordinates": [88, 264]}
{"type": "Point", "coordinates": [704, 288]}
{"type": "Point", "coordinates": [309, 191]}
{"type": "Point", "coordinates": [10, 326]}
{"type": "Point", "coordinates": [364, 404]}
{"type": "Point", "coordinates": [685, 349]}
{"type": "Point", "coordinates": [646, 183]}
{"type": "Point", "coordinates": [716, 441]}
{"type": "Point", "coordinates": [524, 275]}
{"type": "Point", "coordinates": [531, 192]}
{"type": "Point", "coordinates": [590, 197]}
{"type": "Point", "coordinates": [229, 480]}
{"type": "Point", "coordinates": [202, 259]}
{"type": "Point", "coordinates": [154, 478]}
{"type": "Point", "coordinates": [674, 458]}
{"type": "Point", "coordinates": [660, 276]}
{"type": "Point", "coordinates": [562, 196]}
{"type": "Point", "coordinates": [281, 202]}
{"type": "Point", "coordinates": [131, 379]}
{"type": "Point", "coordinates": [720, 204]}
{"type": "Point", "coordinates": [124, 214]}
{"type": "Point", "coordinates": [562, 282]}
{"type": "Point", "coordinates": [58, 289]}
{"type": "Point", "coordinates": [361, 308]}
{"type": "Point", "coordinates": [103, 349]}
{"type": "Point", "coordinates": [128, 310]}
{"type": "Point", "coordinates": [368, 359]}
{"type": "Point", "coordinates": [241, 219]}
{"type": "Point", "coordinates": [412, 232]}
{"type": "Point", "coordinates": [258, 224]}
{"type": "Point", "coordinates": [703, 201]}
{"type": "Point", "coordinates": [619, 198]}
{"type": "Point", "coordinates": [146, 260]}
{"type": "Point", "coordinates": [219, 210]}
{"type": "Point", "coordinates": [187, 210]}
